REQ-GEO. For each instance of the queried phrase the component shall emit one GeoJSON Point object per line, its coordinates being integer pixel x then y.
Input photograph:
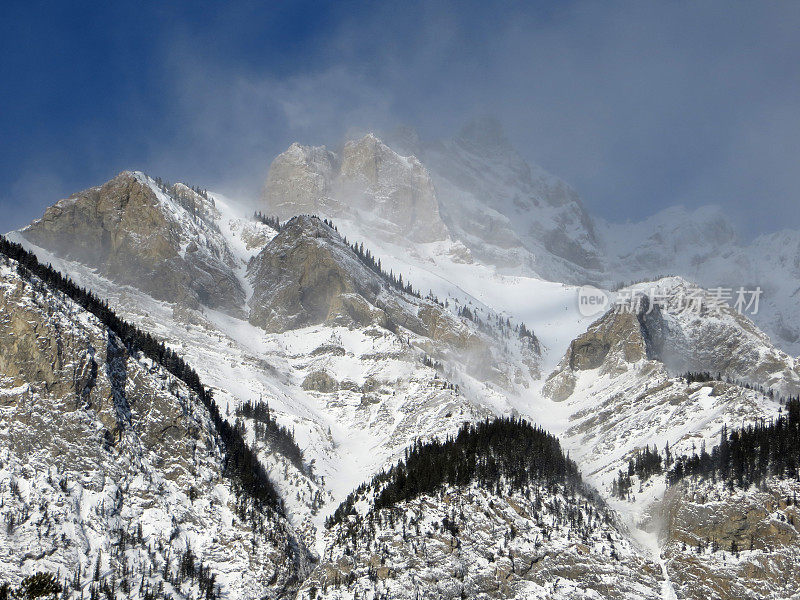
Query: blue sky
{"type": "Point", "coordinates": [638, 105]}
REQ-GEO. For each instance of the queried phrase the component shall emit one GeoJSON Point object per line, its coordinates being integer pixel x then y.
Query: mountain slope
{"type": "Point", "coordinates": [497, 511]}
{"type": "Point", "coordinates": [508, 212]}
{"type": "Point", "coordinates": [367, 180]}
{"type": "Point", "coordinates": [112, 466]}
{"type": "Point", "coordinates": [355, 393]}
{"type": "Point", "coordinates": [163, 241]}
{"type": "Point", "coordinates": [473, 199]}
{"type": "Point", "coordinates": [359, 369]}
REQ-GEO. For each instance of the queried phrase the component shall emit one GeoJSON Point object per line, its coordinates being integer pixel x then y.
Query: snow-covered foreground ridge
{"type": "Point", "coordinates": [358, 370]}
{"type": "Point", "coordinates": [115, 477]}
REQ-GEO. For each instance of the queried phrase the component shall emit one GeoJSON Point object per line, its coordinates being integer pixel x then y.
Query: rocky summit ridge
{"type": "Point", "coordinates": [476, 196]}
{"type": "Point", "coordinates": [161, 240]}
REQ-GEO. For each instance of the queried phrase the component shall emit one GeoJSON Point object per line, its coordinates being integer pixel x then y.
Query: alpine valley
{"type": "Point", "coordinates": [380, 386]}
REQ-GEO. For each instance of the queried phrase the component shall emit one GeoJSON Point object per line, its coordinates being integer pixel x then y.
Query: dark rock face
{"type": "Point", "coordinates": [307, 275]}
{"type": "Point", "coordinates": [617, 330]}
{"type": "Point", "coordinates": [588, 354]}
{"type": "Point", "coordinates": [128, 234]}
{"type": "Point", "coordinates": [732, 544]}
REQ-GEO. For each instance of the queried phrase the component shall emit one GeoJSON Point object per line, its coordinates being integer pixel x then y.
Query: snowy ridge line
{"type": "Point", "coordinates": [370, 260]}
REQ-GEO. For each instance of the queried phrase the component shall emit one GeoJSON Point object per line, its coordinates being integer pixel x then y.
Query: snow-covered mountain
{"type": "Point", "coordinates": [435, 286]}
{"type": "Point", "coordinates": [112, 472]}
{"type": "Point", "coordinates": [483, 203]}
{"type": "Point", "coordinates": [703, 246]}
{"type": "Point", "coordinates": [356, 385]}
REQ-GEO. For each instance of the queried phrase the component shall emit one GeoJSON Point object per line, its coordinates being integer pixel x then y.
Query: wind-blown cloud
{"type": "Point", "coordinates": [638, 105]}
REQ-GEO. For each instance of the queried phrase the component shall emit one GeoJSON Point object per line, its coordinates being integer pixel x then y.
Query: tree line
{"type": "Point", "coordinates": [744, 456]}
{"type": "Point", "coordinates": [747, 455]}
{"type": "Point", "coordinates": [508, 450]}
{"type": "Point", "coordinates": [707, 377]}
{"type": "Point", "coordinates": [269, 221]}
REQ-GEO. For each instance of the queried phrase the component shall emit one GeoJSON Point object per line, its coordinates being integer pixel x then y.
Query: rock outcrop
{"type": "Point", "coordinates": [165, 243]}
{"type": "Point", "coordinates": [689, 329]}
{"type": "Point", "coordinates": [367, 181]}
{"type": "Point", "coordinates": [682, 327]}
{"type": "Point", "coordinates": [469, 543]}
{"type": "Point", "coordinates": [307, 275]}
{"type": "Point", "coordinates": [732, 544]}
{"type": "Point", "coordinates": [299, 182]}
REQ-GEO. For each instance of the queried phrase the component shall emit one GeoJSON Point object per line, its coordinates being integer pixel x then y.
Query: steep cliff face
{"type": "Point", "coordinates": [307, 275]}
{"type": "Point", "coordinates": [164, 242]}
{"type": "Point", "coordinates": [299, 182]}
{"type": "Point", "coordinates": [689, 329]}
{"type": "Point", "coordinates": [367, 181]}
{"type": "Point", "coordinates": [395, 189]}
{"type": "Point", "coordinates": [110, 465]}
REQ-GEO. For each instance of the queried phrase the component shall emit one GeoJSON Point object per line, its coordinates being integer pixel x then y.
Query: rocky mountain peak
{"type": "Point", "coordinates": [299, 180]}
{"type": "Point", "coordinates": [683, 328]}
{"type": "Point", "coordinates": [138, 232]}
{"type": "Point", "coordinates": [368, 182]}
{"type": "Point", "coordinates": [307, 275]}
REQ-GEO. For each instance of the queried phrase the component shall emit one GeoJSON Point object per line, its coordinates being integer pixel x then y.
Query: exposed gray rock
{"type": "Point", "coordinates": [713, 338]}
{"type": "Point", "coordinates": [508, 545]}
{"type": "Point", "coordinates": [136, 235]}
{"type": "Point", "coordinates": [320, 381]}
{"type": "Point", "coordinates": [307, 275]}
{"type": "Point", "coordinates": [732, 544]}
{"type": "Point", "coordinates": [391, 194]}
